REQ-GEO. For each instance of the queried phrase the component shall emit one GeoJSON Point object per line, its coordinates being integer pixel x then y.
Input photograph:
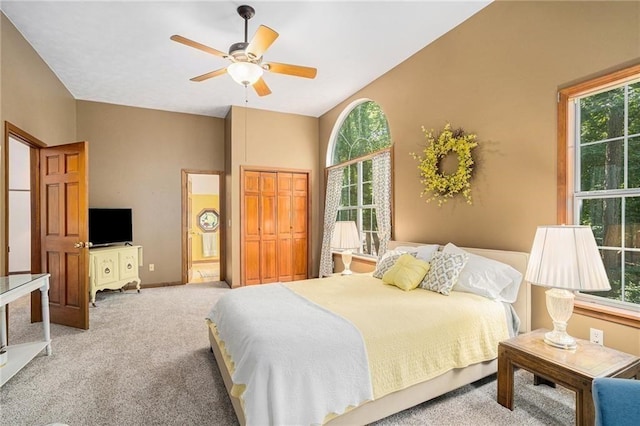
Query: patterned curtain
{"type": "Point", "coordinates": [382, 197]}
{"type": "Point", "coordinates": [334, 190]}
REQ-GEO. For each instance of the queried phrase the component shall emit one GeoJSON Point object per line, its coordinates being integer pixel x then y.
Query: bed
{"type": "Point", "coordinates": [337, 306]}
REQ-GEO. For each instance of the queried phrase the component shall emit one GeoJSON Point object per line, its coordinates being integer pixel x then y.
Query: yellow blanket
{"type": "Point", "coordinates": [411, 336]}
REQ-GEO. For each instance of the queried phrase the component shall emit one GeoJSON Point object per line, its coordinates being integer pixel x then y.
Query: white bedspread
{"type": "Point", "coordinates": [290, 382]}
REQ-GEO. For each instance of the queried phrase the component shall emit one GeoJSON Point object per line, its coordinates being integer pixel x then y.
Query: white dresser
{"type": "Point", "coordinates": [113, 268]}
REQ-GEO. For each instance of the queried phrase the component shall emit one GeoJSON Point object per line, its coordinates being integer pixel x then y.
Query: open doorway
{"type": "Point", "coordinates": [21, 204]}
{"type": "Point", "coordinates": [20, 207]}
{"type": "Point", "coordinates": [22, 201]}
{"type": "Point", "coordinates": [202, 227]}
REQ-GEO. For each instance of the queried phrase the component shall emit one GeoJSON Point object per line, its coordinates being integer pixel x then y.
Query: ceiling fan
{"type": "Point", "coordinates": [246, 66]}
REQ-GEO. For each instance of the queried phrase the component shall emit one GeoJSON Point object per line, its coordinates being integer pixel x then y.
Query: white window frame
{"type": "Point", "coordinates": [360, 206]}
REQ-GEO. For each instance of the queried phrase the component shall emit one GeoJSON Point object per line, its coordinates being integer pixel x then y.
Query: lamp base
{"type": "Point", "coordinates": [560, 340]}
{"type": "Point", "coordinates": [560, 308]}
{"type": "Point", "coordinates": [347, 255]}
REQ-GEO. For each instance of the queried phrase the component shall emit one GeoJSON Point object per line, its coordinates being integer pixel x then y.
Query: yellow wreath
{"type": "Point", "coordinates": [440, 186]}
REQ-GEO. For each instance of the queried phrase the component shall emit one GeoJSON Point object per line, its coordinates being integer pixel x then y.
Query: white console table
{"type": "Point", "coordinates": [12, 288]}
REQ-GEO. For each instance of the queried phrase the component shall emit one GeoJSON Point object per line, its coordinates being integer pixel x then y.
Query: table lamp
{"type": "Point", "coordinates": [565, 258]}
{"type": "Point", "coordinates": [345, 238]}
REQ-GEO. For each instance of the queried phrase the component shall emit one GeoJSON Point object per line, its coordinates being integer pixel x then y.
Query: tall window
{"type": "Point", "coordinates": [604, 153]}
{"type": "Point", "coordinates": [364, 131]}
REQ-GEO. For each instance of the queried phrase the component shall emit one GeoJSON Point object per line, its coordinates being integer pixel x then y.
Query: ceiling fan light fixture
{"type": "Point", "coordinates": [245, 73]}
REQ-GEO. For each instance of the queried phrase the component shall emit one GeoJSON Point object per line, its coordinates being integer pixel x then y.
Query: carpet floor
{"type": "Point", "coordinates": [145, 361]}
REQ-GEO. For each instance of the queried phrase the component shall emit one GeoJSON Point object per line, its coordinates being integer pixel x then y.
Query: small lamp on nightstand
{"type": "Point", "coordinates": [566, 259]}
{"type": "Point", "coordinates": [346, 238]}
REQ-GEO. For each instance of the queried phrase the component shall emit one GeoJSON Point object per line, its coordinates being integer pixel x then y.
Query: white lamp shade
{"type": "Point", "coordinates": [345, 236]}
{"type": "Point", "coordinates": [567, 257]}
{"type": "Point", "coordinates": [245, 73]}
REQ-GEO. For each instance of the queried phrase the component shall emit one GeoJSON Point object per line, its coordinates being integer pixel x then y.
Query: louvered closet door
{"type": "Point", "coordinates": [251, 222]}
{"type": "Point", "coordinates": [285, 227]}
{"type": "Point", "coordinates": [299, 225]}
{"type": "Point", "coordinates": [268, 228]}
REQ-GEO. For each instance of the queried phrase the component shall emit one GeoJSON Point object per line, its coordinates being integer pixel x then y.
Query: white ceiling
{"type": "Point", "coordinates": [119, 52]}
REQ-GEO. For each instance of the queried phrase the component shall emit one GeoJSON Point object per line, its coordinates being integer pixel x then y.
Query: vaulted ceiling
{"type": "Point", "coordinates": [120, 52]}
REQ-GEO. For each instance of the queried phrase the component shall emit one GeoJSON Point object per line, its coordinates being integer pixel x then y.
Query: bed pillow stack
{"type": "Point", "coordinates": [451, 269]}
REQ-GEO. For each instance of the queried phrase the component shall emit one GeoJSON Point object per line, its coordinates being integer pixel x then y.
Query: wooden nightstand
{"type": "Point", "coordinates": [573, 369]}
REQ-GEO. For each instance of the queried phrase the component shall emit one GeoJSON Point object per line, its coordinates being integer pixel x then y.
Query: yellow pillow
{"type": "Point", "coordinates": [407, 273]}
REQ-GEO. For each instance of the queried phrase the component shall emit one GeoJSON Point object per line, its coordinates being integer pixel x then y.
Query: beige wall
{"type": "Point", "coordinates": [32, 98]}
{"type": "Point", "coordinates": [135, 160]}
{"type": "Point", "coordinates": [274, 140]}
{"type": "Point", "coordinates": [497, 75]}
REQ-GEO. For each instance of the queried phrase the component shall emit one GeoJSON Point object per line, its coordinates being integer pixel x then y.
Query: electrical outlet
{"type": "Point", "coordinates": [152, 267]}
{"type": "Point", "coordinates": [596, 336]}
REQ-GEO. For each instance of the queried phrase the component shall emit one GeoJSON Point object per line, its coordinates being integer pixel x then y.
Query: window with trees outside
{"type": "Point", "coordinates": [363, 132]}
{"type": "Point", "coordinates": [603, 176]}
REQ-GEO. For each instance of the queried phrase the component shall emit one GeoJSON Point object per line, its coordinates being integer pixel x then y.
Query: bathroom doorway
{"type": "Point", "coordinates": [202, 229]}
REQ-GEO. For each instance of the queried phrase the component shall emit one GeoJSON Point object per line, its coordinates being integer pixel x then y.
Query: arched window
{"type": "Point", "coordinates": [360, 136]}
{"type": "Point", "coordinates": [363, 130]}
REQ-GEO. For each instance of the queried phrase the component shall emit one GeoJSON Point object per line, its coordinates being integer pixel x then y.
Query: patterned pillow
{"type": "Point", "coordinates": [444, 271]}
{"type": "Point", "coordinates": [387, 261]}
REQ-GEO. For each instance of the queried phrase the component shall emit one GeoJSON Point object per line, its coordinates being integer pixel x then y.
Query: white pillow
{"type": "Point", "coordinates": [486, 277]}
{"type": "Point", "coordinates": [424, 252]}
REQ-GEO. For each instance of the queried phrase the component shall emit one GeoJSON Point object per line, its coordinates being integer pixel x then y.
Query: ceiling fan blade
{"type": "Point", "coordinates": [262, 39]}
{"type": "Point", "coordinates": [295, 70]}
{"type": "Point", "coordinates": [198, 46]}
{"type": "Point", "coordinates": [210, 75]}
{"type": "Point", "coordinates": [261, 87]}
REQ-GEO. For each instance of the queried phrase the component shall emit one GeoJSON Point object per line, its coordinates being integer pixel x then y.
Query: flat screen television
{"type": "Point", "coordinates": [110, 226]}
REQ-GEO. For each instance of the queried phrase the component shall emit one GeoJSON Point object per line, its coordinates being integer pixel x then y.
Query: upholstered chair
{"type": "Point", "coordinates": [616, 401]}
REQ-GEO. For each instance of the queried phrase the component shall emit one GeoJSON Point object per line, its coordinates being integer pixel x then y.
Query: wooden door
{"type": "Point", "coordinates": [300, 225]}
{"type": "Point", "coordinates": [64, 210]}
{"type": "Point", "coordinates": [268, 228]}
{"type": "Point", "coordinates": [251, 224]}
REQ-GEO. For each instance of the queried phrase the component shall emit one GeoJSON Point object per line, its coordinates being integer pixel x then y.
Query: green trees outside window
{"type": "Point", "coordinates": [607, 195]}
